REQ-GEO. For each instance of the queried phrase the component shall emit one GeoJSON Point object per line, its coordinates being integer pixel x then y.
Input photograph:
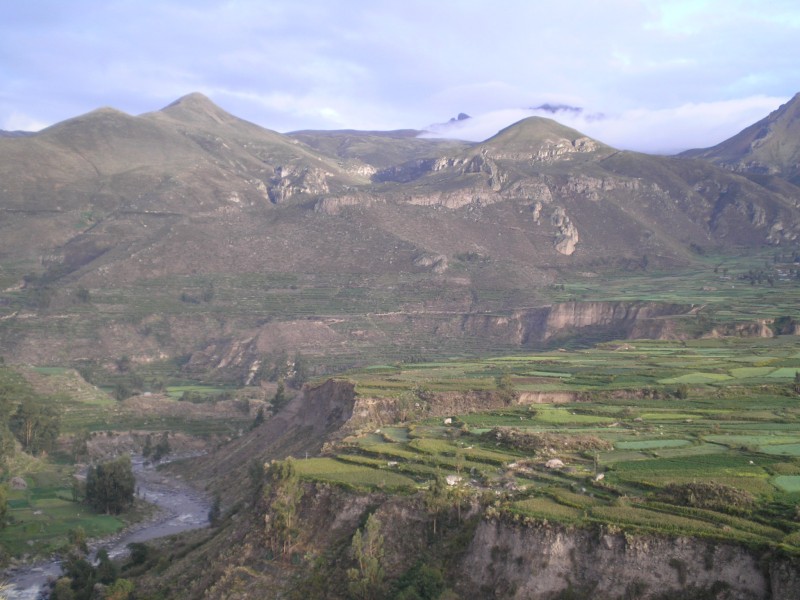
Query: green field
{"type": "Point", "coordinates": [40, 517]}
{"type": "Point", "coordinates": [728, 426]}
{"type": "Point", "coordinates": [646, 415]}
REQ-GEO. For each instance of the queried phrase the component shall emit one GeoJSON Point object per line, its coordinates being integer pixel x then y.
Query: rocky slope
{"type": "Point", "coordinates": [771, 146]}
{"type": "Point", "coordinates": [140, 215]}
{"type": "Point", "coordinates": [485, 553]}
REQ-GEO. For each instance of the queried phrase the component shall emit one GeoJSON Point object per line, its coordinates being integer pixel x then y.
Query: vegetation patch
{"type": "Point", "coordinates": [650, 444]}
{"type": "Point", "coordinates": [787, 483]}
{"type": "Point", "coordinates": [353, 475]}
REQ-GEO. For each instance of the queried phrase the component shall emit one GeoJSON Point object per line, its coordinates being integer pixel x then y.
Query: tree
{"type": "Point", "coordinates": [421, 582]}
{"type": "Point", "coordinates": [122, 391]}
{"type": "Point", "coordinates": [121, 589]}
{"type": "Point", "coordinates": [124, 363]}
{"type": "Point", "coordinates": [283, 490]}
{"type": "Point", "coordinates": [215, 511]}
{"type": "Point", "coordinates": [147, 449]}
{"type": "Point", "coordinates": [300, 371]}
{"type": "Point", "coordinates": [505, 387]}
{"type": "Point", "coordinates": [106, 571]}
{"type": "Point", "coordinates": [83, 295]}
{"type": "Point", "coordinates": [255, 471]}
{"type": "Point", "coordinates": [437, 497]}
{"type": "Point", "coordinates": [279, 400]}
{"type": "Point", "coordinates": [110, 486]}
{"type": "Point", "coordinates": [259, 420]}
{"type": "Point", "coordinates": [366, 578]}
{"type": "Point", "coordinates": [62, 590]}
{"type": "Point", "coordinates": [80, 445]}
{"type": "Point", "coordinates": [162, 448]}
{"type": "Point", "coordinates": [77, 540]}
{"type": "Point", "coordinates": [3, 506]}
{"type": "Point", "coordinates": [36, 424]}
{"type": "Point", "coordinates": [81, 575]}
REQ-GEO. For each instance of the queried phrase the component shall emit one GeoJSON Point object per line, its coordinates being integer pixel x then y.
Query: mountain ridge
{"type": "Point", "coordinates": [770, 146]}
{"type": "Point", "coordinates": [344, 223]}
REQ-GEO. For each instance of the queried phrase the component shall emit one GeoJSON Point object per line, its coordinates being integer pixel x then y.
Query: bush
{"type": "Point", "coordinates": [714, 496]}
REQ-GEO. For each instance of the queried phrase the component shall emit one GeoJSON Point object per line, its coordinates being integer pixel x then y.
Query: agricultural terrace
{"type": "Point", "coordinates": [697, 438]}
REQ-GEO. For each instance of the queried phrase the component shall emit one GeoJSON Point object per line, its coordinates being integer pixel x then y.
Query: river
{"type": "Point", "coordinates": [181, 508]}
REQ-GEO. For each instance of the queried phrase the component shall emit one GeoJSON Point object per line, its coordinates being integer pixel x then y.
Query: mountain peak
{"type": "Point", "coordinates": [535, 131]}
{"type": "Point", "coordinates": [196, 107]}
{"type": "Point", "coordinates": [772, 145]}
{"type": "Point", "coordinates": [193, 100]}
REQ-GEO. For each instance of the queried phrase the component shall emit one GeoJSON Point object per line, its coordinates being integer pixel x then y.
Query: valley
{"type": "Point", "coordinates": [531, 367]}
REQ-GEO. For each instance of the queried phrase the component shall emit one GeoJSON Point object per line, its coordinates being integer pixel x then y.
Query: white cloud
{"type": "Point", "coordinates": [17, 121]}
{"type": "Point", "coordinates": [661, 131]}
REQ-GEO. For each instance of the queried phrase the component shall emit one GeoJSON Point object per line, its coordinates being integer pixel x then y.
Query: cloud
{"type": "Point", "coordinates": [363, 64]}
{"type": "Point", "coordinates": [19, 122]}
{"type": "Point", "coordinates": [658, 131]}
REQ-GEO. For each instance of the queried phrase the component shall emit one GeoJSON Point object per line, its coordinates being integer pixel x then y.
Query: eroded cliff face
{"type": "Point", "coordinates": [497, 558]}
{"type": "Point", "coordinates": [541, 561]}
{"type": "Point", "coordinates": [537, 326]}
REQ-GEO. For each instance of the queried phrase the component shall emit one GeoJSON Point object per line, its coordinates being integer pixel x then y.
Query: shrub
{"type": "Point", "coordinates": [714, 496]}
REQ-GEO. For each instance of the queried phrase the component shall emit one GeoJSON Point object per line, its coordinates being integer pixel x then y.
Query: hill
{"type": "Point", "coordinates": [770, 146]}
{"type": "Point", "coordinates": [188, 232]}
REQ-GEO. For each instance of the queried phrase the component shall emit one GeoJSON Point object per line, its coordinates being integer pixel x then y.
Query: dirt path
{"type": "Point", "coordinates": [181, 508]}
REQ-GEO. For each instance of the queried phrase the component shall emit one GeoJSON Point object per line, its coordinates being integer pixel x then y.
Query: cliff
{"type": "Point", "coordinates": [478, 557]}
{"type": "Point", "coordinates": [541, 561]}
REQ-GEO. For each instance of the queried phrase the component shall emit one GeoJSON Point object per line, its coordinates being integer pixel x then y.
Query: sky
{"type": "Point", "coordinates": [650, 75]}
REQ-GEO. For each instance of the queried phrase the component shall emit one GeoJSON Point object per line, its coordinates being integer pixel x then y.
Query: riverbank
{"type": "Point", "coordinates": [179, 507]}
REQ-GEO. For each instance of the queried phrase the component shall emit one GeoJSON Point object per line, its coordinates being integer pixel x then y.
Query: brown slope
{"type": "Point", "coordinates": [300, 429]}
{"type": "Point", "coordinates": [284, 233]}
{"type": "Point", "coordinates": [770, 146]}
{"type": "Point", "coordinates": [87, 176]}
{"type": "Point", "coordinates": [571, 196]}
{"type": "Point", "coordinates": [379, 149]}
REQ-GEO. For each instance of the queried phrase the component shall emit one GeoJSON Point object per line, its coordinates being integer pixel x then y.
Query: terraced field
{"type": "Point", "coordinates": [732, 442]}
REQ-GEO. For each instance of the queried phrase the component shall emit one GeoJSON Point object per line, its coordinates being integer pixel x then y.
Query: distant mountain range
{"type": "Point", "coordinates": [12, 134]}
{"type": "Point", "coordinates": [191, 195]}
{"type": "Point", "coordinates": [770, 146]}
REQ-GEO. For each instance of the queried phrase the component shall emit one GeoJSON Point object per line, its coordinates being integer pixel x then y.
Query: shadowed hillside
{"type": "Point", "coordinates": [190, 232]}
{"type": "Point", "coordinates": [770, 146]}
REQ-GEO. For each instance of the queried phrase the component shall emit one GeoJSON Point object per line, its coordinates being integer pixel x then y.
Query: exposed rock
{"type": "Point", "coordinates": [18, 483]}
{"type": "Point", "coordinates": [539, 562]}
{"type": "Point", "coordinates": [567, 237]}
{"type": "Point", "coordinates": [456, 198]}
{"type": "Point", "coordinates": [758, 328]}
{"type": "Point", "coordinates": [438, 263]}
{"type": "Point", "coordinates": [335, 204]}
{"type": "Point", "coordinates": [290, 181]}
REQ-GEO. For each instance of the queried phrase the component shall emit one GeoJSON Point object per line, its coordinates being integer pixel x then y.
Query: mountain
{"type": "Point", "coordinates": [4, 133]}
{"type": "Point", "coordinates": [377, 150]}
{"type": "Point", "coordinates": [770, 146]}
{"type": "Point", "coordinates": [190, 232]}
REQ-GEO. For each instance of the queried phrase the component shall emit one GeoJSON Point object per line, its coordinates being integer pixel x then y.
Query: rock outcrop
{"type": "Point", "coordinates": [540, 561]}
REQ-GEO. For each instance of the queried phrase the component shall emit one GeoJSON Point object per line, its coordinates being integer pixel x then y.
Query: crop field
{"type": "Point", "coordinates": [629, 421]}
{"type": "Point", "coordinates": [713, 282]}
{"type": "Point", "coordinates": [624, 449]}
{"type": "Point", "coordinates": [40, 517]}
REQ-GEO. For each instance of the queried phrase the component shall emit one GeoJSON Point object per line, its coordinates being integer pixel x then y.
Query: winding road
{"type": "Point", "coordinates": [181, 508]}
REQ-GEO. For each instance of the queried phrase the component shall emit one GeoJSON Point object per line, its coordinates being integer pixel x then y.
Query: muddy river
{"type": "Point", "coordinates": [181, 508]}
